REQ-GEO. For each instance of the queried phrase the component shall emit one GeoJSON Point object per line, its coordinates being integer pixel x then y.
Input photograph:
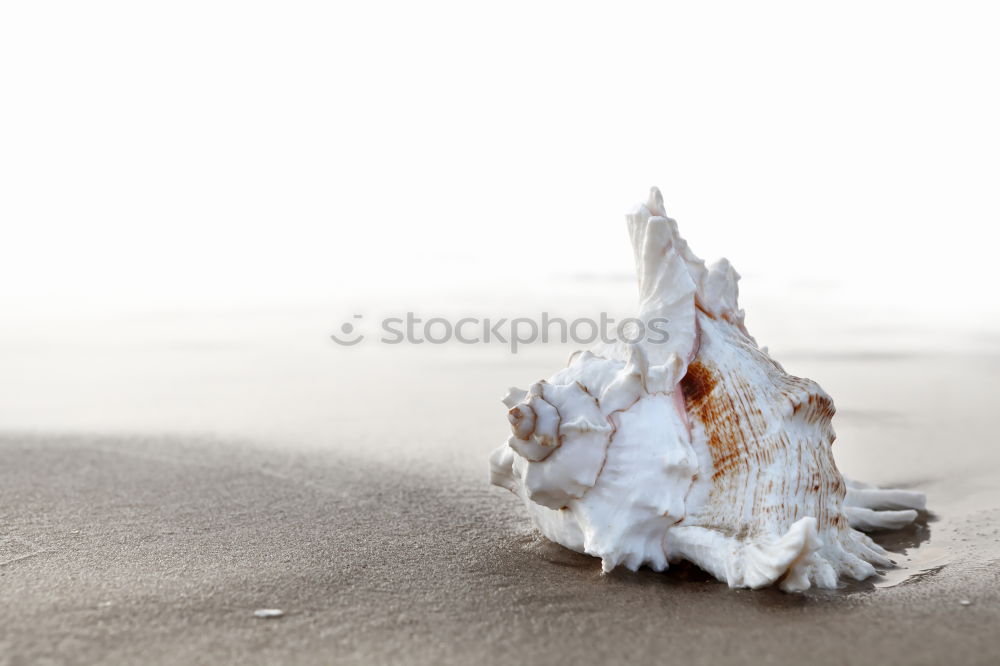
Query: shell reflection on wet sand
{"type": "Point", "coordinates": [695, 447]}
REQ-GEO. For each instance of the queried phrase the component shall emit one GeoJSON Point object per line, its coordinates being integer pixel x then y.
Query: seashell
{"type": "Point", "coordinates": [696, 445]}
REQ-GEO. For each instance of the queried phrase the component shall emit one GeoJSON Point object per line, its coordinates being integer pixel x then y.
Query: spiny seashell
{"type": "Point", "coordinates": [698, 446]}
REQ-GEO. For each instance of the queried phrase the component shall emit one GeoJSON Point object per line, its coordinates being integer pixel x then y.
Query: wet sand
{"type": "Point", "coordinates": [158, 550]}
{"type": "Point", "coordinates": [148, 506]}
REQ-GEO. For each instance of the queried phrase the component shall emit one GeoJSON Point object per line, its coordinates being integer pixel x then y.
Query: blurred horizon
{"type": "Point", "coordinates": [195, 196]}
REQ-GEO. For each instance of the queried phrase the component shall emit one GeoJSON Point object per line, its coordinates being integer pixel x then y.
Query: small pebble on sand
{"type": "Point", "coordinates": [965, 602]}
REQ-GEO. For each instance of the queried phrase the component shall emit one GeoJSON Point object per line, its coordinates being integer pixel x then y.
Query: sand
{"type": "Point", "coordinates": [159, 550]}
{"type": "Point", "coordinates": [152, 499]}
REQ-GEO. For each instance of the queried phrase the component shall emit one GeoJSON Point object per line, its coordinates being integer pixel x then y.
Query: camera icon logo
{"type": "Point", "coordinates": [347, 329]}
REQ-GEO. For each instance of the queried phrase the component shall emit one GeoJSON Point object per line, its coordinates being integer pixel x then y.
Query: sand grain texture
{"type": "Point", "coordinates": [158, 550]}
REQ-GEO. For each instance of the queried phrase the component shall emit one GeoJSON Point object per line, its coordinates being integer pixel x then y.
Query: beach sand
{"type": "Point", "coordinates": [363, 512]}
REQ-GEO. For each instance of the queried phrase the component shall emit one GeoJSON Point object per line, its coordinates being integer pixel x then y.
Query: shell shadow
{"type": "Point", "coordinates": [903, 545]}
{"type": "Point", "coordinates": [913, 561]}
{"type": "Point", "coordinates": [912, 536]}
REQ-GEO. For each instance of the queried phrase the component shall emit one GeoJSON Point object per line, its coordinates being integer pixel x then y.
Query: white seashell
{"type": "Point", "coordinates": [697, 447]}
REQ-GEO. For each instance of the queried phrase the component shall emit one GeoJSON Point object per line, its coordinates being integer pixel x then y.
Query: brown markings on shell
{"type": "Point", "coordinates": [516, 417]}
{"type": "Point", "coordinates": [701, 308]}
{"type": "Point", "coordinates": [731, 421]}
{"type": "Point", "coordinates": [743, 442]}
{"type": "Point", "coordinates": [697, 383]}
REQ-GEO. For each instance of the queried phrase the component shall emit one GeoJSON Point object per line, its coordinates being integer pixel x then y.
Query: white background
{"type": "Point", "coordinates": [209, 155]}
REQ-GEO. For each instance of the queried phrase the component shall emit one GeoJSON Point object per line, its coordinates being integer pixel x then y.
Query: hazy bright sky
{"type": "Point", "coordinates": [243, 154]}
